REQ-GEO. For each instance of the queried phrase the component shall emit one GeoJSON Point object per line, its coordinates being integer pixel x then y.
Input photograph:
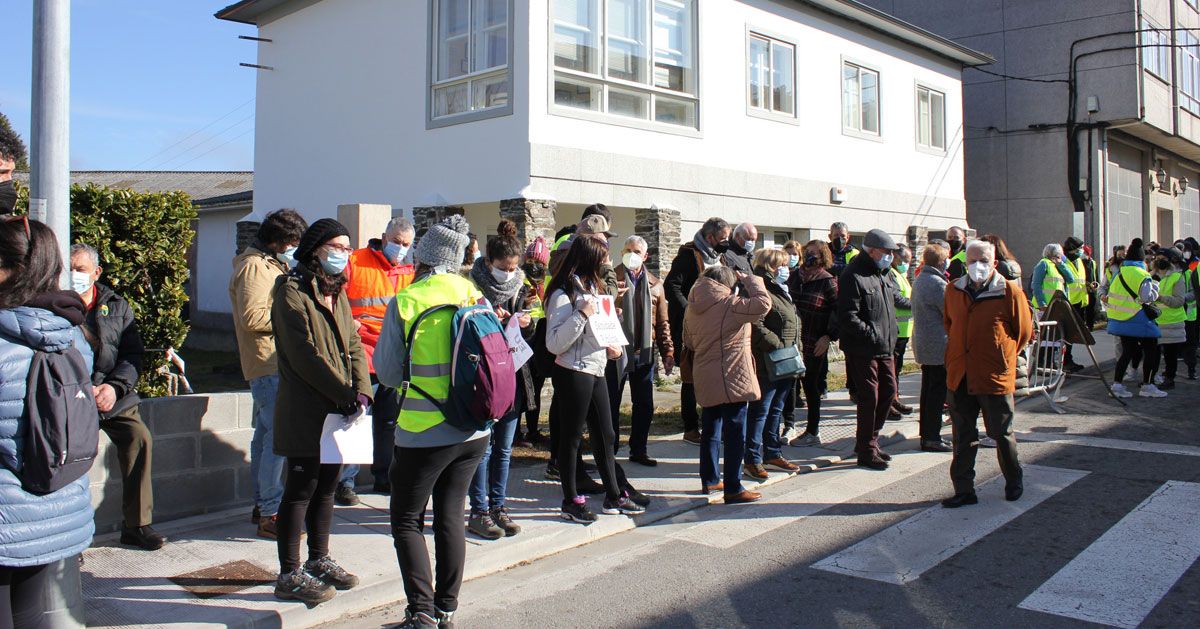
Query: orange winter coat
{"type": "Point", "coordinates": [717, 330]}
{"type": "Point", "coordinates": [985, 333]}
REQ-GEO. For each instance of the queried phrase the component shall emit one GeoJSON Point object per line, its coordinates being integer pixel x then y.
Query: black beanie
{"type": "Point", "coordinates": [1135, 251]}
{"type": "Point", "coordinates": [316, 235]}
{"type": "Point", "coordinates": [1072, 243]}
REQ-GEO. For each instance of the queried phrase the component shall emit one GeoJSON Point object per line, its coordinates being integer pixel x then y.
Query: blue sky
{"type": "Point", "coordinates": [145, 75]}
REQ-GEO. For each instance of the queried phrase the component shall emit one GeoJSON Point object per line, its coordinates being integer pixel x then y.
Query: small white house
{"type": "Point", "coordinates": [790, 114]}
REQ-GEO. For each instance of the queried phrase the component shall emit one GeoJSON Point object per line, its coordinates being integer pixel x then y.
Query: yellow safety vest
{"type": "Point", "coordinates": [1077, 290]}
{"type": "Point", "coordinates": [1171, 315]}
{"type": "Point", "coordinates": [903, 315]}
{"type": "Point", "coordinates": [1190, 306]}
{"type": "Point", "coordinates": [1123, 306]}
{"type": "Point", "coordinates": [557, 243]}
{"type": "Point", "coordinates": [431, 349]}
{"type": "Point", "coordinates": [1052, 281]}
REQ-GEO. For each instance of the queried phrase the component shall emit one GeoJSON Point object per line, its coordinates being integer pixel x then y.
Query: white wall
{"type": "Point", "coordinates": [216, 241]}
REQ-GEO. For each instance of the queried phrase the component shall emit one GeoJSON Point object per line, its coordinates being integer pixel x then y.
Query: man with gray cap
{"type": "Point", "coordinates": [868, 330]}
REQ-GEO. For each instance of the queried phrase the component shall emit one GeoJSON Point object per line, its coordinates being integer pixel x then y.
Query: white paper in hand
{"type": "Point", "coordinates": [604, 325]}
{"type": "Point", "coordinates": [347, 439]}
{"type": "Point", "coordinates": [522, 352]}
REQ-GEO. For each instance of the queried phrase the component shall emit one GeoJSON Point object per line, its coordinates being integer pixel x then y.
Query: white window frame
{"type": "Point", "coordinates": [769, 112]}
{"type": "Point", "coordinates": [607, 84]}
{"type": "Point", "coordinates": [1156, 55]}
{"type": "Point", "coordinates": [929, 147]}
{"type": "Point", "coordinates": [1195, 4]}
{"type": "Point", "coordinates": [856, 129]}
{"type": "Point", "coordinates": [1189, 72]}
{"type": "Point", "coordinates": [470, 78]}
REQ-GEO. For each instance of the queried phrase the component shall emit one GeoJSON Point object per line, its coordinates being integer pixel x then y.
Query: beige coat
{"type": "Point", "coordinates": [250, 291]}
{"type": "Point", "coordinates": [717, 330]}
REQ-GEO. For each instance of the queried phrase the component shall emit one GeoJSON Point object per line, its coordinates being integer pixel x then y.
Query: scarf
{"type": "Point", "coordinates": [635, 319]}
{"type": "Point", "coordinates": [496, 293]}
{"type": "Point", "coordinates": [707, 255]}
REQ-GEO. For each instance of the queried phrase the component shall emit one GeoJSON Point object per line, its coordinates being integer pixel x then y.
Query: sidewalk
{"type": "Point", "coordinates": [131, 588]}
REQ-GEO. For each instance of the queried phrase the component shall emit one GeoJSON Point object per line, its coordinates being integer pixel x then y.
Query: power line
{"type": "Point", "coordinates": [162, 164]}
{"type": "Point", "coordinates": [236, 137]}
{"type": "Point", "coordinates": [1018, 78]}
{"type": "Point", "coordinates": [194, 133]}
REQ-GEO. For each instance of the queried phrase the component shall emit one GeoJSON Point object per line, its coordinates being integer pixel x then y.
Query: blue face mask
{"type": "Point", "coordinates": [394, 251]}
{"type": "Point", "coordinates": [793, 261]}
{"type": "Point", "coordinates": [81, 282]}
{"type": "Point", "coordinates": [335, 261]}
{"type": "Point", "coordinates": [902, 268]}
{"type": "Point", "coordinates": [782, 274]}
{"type": "Point", "coordinates": [287, 256]}
{"type": "Point", "coordinates": [885, 261]}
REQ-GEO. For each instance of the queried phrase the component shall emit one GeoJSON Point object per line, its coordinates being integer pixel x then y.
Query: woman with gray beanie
{"type": "Point", "coordinates": [432, 458]}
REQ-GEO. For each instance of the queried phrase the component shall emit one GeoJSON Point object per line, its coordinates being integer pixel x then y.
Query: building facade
{"type": "Point", "coordinates": [1109, 151]}
{"type": "Point", "coordinates": [787, 114]}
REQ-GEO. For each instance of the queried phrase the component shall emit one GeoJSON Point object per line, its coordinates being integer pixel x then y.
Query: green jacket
{"type": "Point", "coordinates": [322, 366]}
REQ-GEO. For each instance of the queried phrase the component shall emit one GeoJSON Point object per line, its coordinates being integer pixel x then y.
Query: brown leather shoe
{"type": "Point", "coordinates": [782, 465]}
{"type": "Point", "coordinates": [692, 437]}
{"type": "Point", "coordinates": [268, 527]}
{"type": "Point", "coordinates": [756, 471]}
{"type": "Point", "coordinates": [712, 489]}
{"type": "Point", "coordinates": [742, 497]}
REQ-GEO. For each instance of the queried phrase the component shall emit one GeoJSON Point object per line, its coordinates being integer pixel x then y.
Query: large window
{"type": "Point", "coordinates": [771, 75]}
{"type": "Point", "coordinates": [860, 99]}
{"type": "Point", "coordinates": [1189, 72]}
{"type": "Point", "coordinates": [471, 71]}
{"type": "Point", "coordinates": [630, 58]}
{"type": "Point", "coordinates": [1156, 51]}
{"type": "Point", "coordinates": [931, 119]}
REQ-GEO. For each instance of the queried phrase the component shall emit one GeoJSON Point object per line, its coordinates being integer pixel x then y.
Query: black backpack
{"type": "Point", "coordinates": [64, 425]}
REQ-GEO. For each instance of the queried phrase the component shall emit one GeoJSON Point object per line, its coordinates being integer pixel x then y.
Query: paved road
{"type": "Point", "coordinates": [1105, 535]}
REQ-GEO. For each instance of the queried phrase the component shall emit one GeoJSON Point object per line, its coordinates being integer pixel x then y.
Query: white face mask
{"type": "Point", "coordinates": [81, 282]}
{"type": "Point", "coordinates": [632, 261]}
{"type": "Point", "coordinates": [979, 271]}
{"type": "Point", "coordinates": [503, 277]}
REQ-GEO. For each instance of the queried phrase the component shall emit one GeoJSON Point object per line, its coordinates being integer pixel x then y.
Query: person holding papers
{"type": "Point", "coordinates": [497, 274]}
{"type": "Point", "coordinates": [322, 370]}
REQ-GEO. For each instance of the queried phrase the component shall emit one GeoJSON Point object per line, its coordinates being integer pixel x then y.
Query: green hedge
{"type": "Point", "coordinates": [143, 240]}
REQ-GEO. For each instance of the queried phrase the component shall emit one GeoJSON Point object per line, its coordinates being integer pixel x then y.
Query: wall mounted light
{"type": "Point", "coordinates": [1161, 177]}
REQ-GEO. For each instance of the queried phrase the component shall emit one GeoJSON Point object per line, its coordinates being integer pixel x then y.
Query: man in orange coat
{"type": "Point", "coordinates": [376, 273]}
{"type": "Point", "coordinates": [988, 321]}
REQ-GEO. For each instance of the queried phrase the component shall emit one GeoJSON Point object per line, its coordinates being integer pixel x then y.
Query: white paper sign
{"type": "Point", "coordinates": [605, 326]}
{"type": "Point", "coordinates": [347, 439]}
{"type": "Point", "coordinates": [522, 352]}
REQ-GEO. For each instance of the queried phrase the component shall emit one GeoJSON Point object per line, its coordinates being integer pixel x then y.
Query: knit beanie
{"type": "Point", "coordinates": [1136, 251]}
{"type": "Point", "coordinates": [316, 235]}
{"type": "Point", "coordinates": [443, 246]}
{"type": "Point", "coordinates": [1072, 243]}
{"type": "Point", "coordinates": [538, 251]}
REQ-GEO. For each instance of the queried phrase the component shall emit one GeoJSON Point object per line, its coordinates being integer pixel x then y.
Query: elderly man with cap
{"type": "Point", "coordinates": [868, 330]}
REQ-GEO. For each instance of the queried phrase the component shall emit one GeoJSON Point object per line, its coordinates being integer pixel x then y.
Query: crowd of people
{"type": "Point", "coordinates": [324, 328]}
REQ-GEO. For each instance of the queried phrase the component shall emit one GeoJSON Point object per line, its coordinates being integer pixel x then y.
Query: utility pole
{"type": "Point", "coordinates": [50, 164]}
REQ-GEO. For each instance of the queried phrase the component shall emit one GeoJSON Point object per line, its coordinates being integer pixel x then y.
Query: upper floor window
{"type": "Point", "coordinates": [632, 58]}
{"type": "Point", "coordinates": [1189, 72]}
{"type": "Point", "coordinates": [771, 75]}
{"type": "Point", "coordinates": [931, 119]}
{"type": "Point", "coordinates": [1156, 51]}
{"type": "Point", "coordinates": [860, 99]}
{"type": "Point", "coordinates": [1195, 4]}
{"type": "Point", "coordinates": [470, 65]}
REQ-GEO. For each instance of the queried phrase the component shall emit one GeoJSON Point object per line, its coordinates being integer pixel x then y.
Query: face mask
{"type": "Point", "coordinates": [501, 276]}
{"type": "Point", "coordinates": [8, 197]}
{"type": "Point", "coordinates": [1162, 265]}
{"type": "Point", "coordinates": [81, 282]}
{"type": "Point", "coordinates": [782, 274]}
{"type": "Point", "coordinates": [954, 245]}
{"type": "Point", "coordinates": [979, 271]}
{"type": "Point", "coordinates": [811, 260]}
{"type": "Point", "coordinates": [885, 261]}
{"type": "Point", "coordinates": [793, 261]}
{"type": "Point", "coordinates": [721, 247]}
{"type": "Point", "coordinates": [394, 251]}
{"type": "Point", "coordinates": [838, 244]}
{"type": "Point", "coordinates": [335, 262]}
{"type": "Point", "coordinates": [1187, 255]}
{"type": "Point", "coordinates": [287, 256]}
{"type": "Point", "coordinates": [1072, 255]}
{"type": "Point", "coordinates": [902, 268]}
{"type": "Point", "coordinates": [632, 261]}
{"type": "Point", "coordinates": [477, 256]}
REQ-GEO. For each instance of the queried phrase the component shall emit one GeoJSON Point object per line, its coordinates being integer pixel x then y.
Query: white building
{"type": "Point", "coordinates": [788, 114]}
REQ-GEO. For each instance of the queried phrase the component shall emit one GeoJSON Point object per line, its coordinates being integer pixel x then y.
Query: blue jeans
{"type": "Point", "coordinates": [762, 428]}
{"type": "Point", "coordinates": [725, 423]}
{"type": "Point", "coordinates": [490, 483]}
{"type": "Point", "coordinates": [266, 467]}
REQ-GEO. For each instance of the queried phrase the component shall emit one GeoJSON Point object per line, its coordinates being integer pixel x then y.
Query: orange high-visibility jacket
{"type": "Point", "coordinates": [374, 281]}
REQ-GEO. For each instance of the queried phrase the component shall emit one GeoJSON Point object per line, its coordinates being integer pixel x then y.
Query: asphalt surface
{"type": "Point", "coordinates": [1106, 535]}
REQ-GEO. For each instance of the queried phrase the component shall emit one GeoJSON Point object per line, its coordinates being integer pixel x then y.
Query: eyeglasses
{"type": "Point", "coordinates": [340, 248]}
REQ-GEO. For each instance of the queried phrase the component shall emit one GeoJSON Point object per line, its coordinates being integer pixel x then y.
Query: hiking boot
{"type": "Point", "coordinates": [782, 465]}
{"type": "Point", "coordinates": [960, 500]}
{"type": "Point", "coordinates": [807, 440]}
{"type": "Point", "coordinates": [300, 586]}
{"type": "Point", "coordinates": [143, 537]}
{"type": "Point", "coordinates": [255, 515]}
{"type": "Point", "coordinates": [588, 487]}
{"type": "Point", "coordinates": [576, 511]}
{"type": "Point", "coordinates": [328, 572]}
{"type": "Point", "coordinates": [755, 471]}
{"type": "Point", "coordinates": [501, 518]}
{"type": "Point", "coordinates": [692, 437]}
{"type": "Point", "coordinates": [481, 524]}
{"type": "Point", "coordinates": [345, 496]}
{"type": "Point", "coordinates": [622, 506]}
{"type": "Point", "coordinates": [742, 497]}
{"type": "Point", "coordinates": [870, 461]}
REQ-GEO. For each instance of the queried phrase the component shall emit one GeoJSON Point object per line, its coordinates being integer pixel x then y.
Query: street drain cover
{"type": "Point", "coordinates": [226, 578]}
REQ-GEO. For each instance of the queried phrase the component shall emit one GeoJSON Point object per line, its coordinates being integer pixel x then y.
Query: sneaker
{"type": "Point", "coordinates": [300, 586]}
{"type": "Point", "coordinates": [782, 465]}
{"type": "Point", "coordinates": [345, 496]}
{"type": "Point", "coordinates": [501, 518]}
{"type": "Point", "coordinates": [742, 497]}
{"type": "Point", "coordinates": [588, 487]}
{"type": "Point", "coordinates": [791, 434]}
{"type": "Point", "coordinates": [576, 511]}
{"type": "Point", "coordinates": [445, 620]}
{"type": "Point", "coordinates": [481, 524]}
{"type": "Point", "coordinates": [1149, 390]}
{"type": "Point", "coordinates": [419, 620]}
{"type": "Point", "coordinates": [255, 515]}
{"type": "Point", "coordinates": [1158, 378]}
{"type": "Point", "coordinates": [1121, 391]}
{"type": "Point", "coordinates": [552, 472]}
{"type": "Point", "coordinates": [692, 437]}
{"type": "Point", "coordinates": [807, 440]}
{"type": "Point", "coordinates": [143, 537]}
{"type": "Point", "coordinates": [622, 506]}
{"type": "Point", "coordinates": [1167, 384]}
{"type": "Point", "coordinates": [987, 442]}
{"type": "Point", "coordinates": [268, 527]}
{"type": "Point", "coordinates": [637, 496]}
{"type": "Point", "coordinates": [327, 571]}
{"type": "Point", "coordinates": [755, 471]}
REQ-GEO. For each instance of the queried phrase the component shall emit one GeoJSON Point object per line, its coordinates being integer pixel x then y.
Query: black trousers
{"type": "Point", "coordinates": [533, 415]}
{"type": "Point", "coordinates": [582, 399]}
{"type": "Point", "coordinates": [1170, 357]}
{"type": "Point", "coordinates": [641, 393]}
{"type": "Point", "coordinates": [1082, 314]}
{"type": "Point", "coordinates": [933, 399]}
{"type": "Point", "coordinates": [1189, 348]}
{"type": "Point", "coordinates": [1134, 348]}
{"type": "Point", "coordinates": [688, 409]}
{"type": "Point", "coordinates": [307, 498]}
{"type": "Point", "coordinates": [998, 412]}
{"type": "Point", "coordinates": [23, 596]}
{"type": "Point", "coordinates": [814, 385]}
{"type": "Point", "coordinates": [444, 473]}
{"type": "Point", "coordinates": [383, 428]}
{"type": "Point", "coordinates": [898, 361]}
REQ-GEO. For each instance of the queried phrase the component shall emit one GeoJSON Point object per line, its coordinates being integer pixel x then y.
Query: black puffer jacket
{"type": "Point", "coordinates": [118, 356]}
{"type": "Point", "coordinates": [866, 319]}
{"type": "Point", "coordinates": [777, 329]}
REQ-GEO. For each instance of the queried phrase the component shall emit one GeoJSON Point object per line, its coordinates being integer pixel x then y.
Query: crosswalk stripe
{"type": "Point", "coordinates": [1120, 577]}
{"type": "Point", "coordinates": [903, 552]}
{"type": "Point", "coordinates": [727, 527]}
{"type": "Point", "coordinates": [1112, 444]}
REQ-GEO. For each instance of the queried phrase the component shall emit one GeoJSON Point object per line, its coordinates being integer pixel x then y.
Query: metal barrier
{"type": "Point", "coordinates": [1045, 358]}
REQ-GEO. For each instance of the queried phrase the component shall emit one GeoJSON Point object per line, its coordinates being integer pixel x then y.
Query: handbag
{"type": "Point", "coordinates": [784, 363]}
{"type": "Point", "coordinates": [1152, 311]}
